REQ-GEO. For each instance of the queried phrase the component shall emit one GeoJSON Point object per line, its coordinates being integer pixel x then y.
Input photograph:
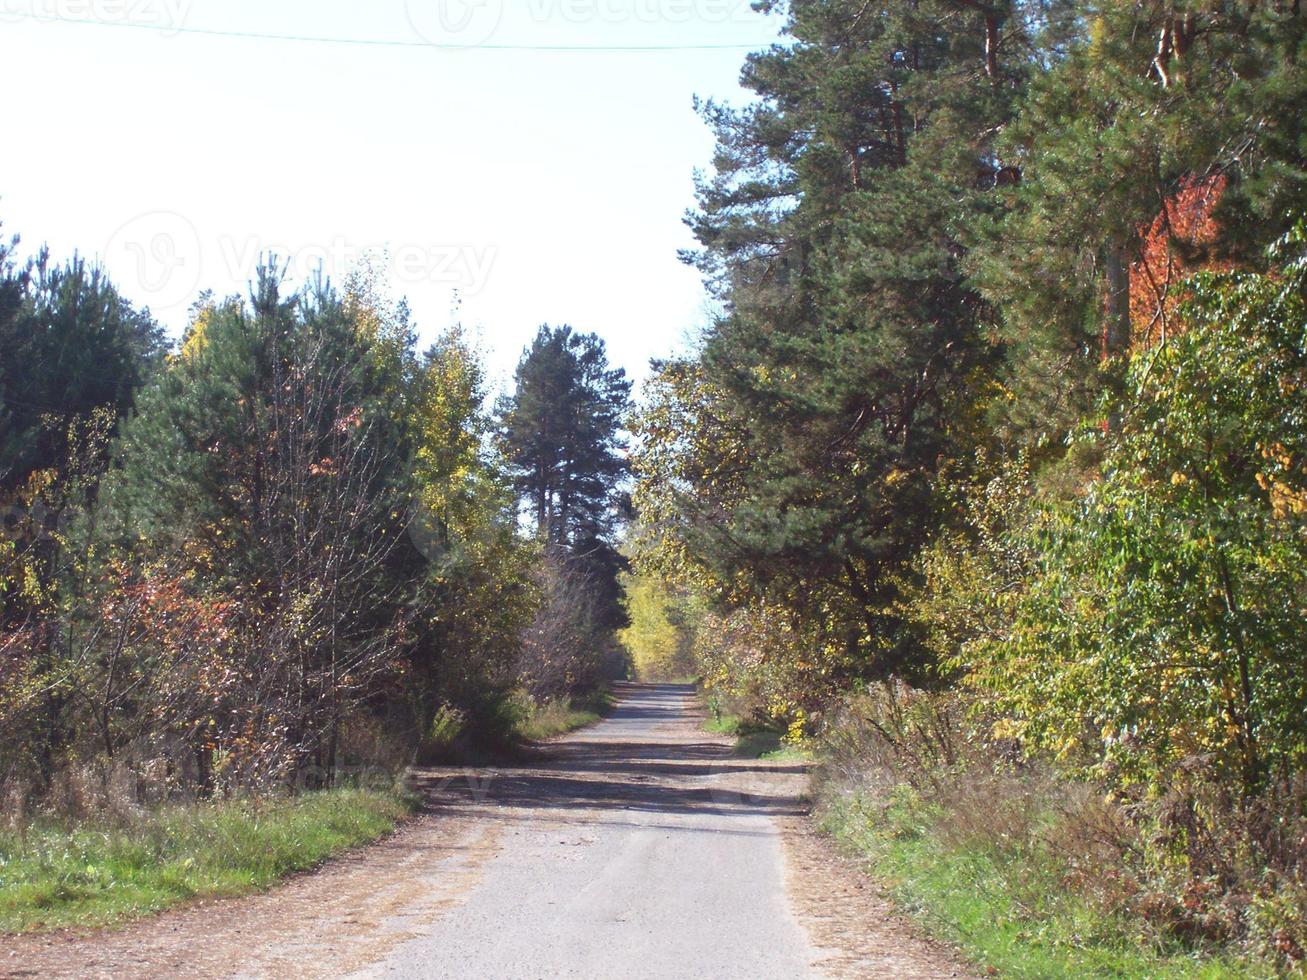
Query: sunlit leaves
{"type": "Point", "coordinates": [1164, 622]}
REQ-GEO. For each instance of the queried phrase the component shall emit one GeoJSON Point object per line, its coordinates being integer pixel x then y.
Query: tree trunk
{"type": "Point", "coordinates": [991, 45]}
{"type": "Point", "coordinates": [1116, 301]}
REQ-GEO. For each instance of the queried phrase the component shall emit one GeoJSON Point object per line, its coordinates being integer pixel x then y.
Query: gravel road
{"type": "Point", "coordinates": [640, 847]}
{"type": "Point", "coordinates": [637, 848]}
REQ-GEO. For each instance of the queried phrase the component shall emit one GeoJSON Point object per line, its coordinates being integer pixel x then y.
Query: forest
{"type": "Point", "coordinates": [991, 474]}
{"type": "Point", "coordinates": [986, 486]}
{"type": "Point", "coordinates": [291, 545]}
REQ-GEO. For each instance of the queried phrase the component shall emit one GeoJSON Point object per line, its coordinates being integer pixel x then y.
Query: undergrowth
{"type": "Point", "coordinates": [549, 719]}
{"type": "Point", "coordinates": [1034, 874]}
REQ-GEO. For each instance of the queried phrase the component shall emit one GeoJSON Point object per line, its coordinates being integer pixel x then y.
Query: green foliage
{"type": "Point", "coordinates": [851, 357]}
{"type": "Point", "coordinates": [265, 472]}
{"type": "Point", "coordinates": [72, 345]}
{"type": "Point", "coordinates": [1164, 625]}
{"type": "Point", "coordinates": [478, 595]}
{"type": "Point", "coordinates": [937, 432]}
{"type": "Point", "coordinates": [73, 355]}
{"type": "Point", "coordinates": [561, 434]}
{"type": "Point", "coordinates": [1014, 915]}
{"type": "Point", "coordinates": [1033, 874]}
{"type": "Point", "coordinates": [561, 437]}
{"type": "Point", "coordinates": [964, 585]}
{"type": "Point", "coordinates": [542, 720]}
{"type": "Point", "coordinates": [1136, 99]}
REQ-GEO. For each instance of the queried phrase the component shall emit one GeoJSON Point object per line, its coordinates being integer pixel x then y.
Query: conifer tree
{"type": "Point", "coordinates": [561, 432]}
{"type": "Point", "coordinates": [853, 351]}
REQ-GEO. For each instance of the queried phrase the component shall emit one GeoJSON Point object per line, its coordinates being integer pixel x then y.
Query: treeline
{"type": "Point", "coordinates": [1004, 409]}
{"type": "Point", "coordinates": [289, 547]}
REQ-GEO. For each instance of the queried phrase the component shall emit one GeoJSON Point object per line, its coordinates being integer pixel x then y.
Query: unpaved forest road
{"type": "Point", "coordinates": [640, 847]}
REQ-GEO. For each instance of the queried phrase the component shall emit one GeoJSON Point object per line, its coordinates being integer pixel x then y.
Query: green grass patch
{"type": "Point", "coordinates": [756, 741]}
{"type": "Point", "coordinates": [721, 724]}
{"type": "Point", "coordinates": [554, 718]}
{"type": "Point", "coordinates": [1007, 909]}
{"type": "Point", "coordinates": [54, 875]}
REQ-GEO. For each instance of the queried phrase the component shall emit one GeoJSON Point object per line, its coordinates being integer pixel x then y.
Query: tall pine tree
{"type": "Point", "coordinates": [853, 351]}
{"type": "Point", "coordinates": [562, 435]}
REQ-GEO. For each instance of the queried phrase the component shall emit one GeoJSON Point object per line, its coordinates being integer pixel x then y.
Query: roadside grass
{"type": "Point", "coordinates": [1007, 909]}
{"type": "Point", "coordinates": [553, 718]}
{"type": "Point", "coordinates": [57, 875]}
{"type": "Point", "coordinates": [756, 741]}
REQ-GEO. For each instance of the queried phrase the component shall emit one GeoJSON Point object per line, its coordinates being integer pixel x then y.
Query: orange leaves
{"type": "Point", "coordinates": [159, 611]}
{"type": "Point", "coordinates": [1175, 245]}
{"type": "Point", "coordinates": [349, 421]}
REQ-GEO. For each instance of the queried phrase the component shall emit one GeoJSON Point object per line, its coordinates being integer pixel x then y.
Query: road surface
{"type": "Point", "coordinates": [634, 849]}
{"type": "Point", "coordinates": [639, 848]}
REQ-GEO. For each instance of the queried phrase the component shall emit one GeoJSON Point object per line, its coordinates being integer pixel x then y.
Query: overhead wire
{"type": "Point", "coordinates": [415, 43]}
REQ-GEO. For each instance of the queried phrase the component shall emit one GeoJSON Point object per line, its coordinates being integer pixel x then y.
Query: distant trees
{"type": "Point", "coordinates": [561, 432]}
{"type": "Point", "coordinates": [662, 630]}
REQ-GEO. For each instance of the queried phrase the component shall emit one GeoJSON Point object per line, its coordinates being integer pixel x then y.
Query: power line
{"type": "Point", "coordinates": [394, 42]}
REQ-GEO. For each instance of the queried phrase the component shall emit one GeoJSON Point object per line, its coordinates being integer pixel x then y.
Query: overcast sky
{"type": "Point", "coordinates": [548, 186]}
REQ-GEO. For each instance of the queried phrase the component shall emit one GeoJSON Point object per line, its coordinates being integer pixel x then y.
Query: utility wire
{"type": "Point", "coordinates": [394, 42]}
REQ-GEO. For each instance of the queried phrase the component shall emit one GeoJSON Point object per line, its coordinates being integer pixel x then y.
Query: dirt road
{"type": "Point", "coordinates": [638, 848]}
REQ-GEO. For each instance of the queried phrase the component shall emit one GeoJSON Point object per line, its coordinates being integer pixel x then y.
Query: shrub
{"type": "Point", "coordinates": [1162, 633]}
{"type": "Point", "coordinates": [917, 779]}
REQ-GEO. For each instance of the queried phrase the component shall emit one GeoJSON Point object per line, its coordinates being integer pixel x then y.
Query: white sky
{"type": "Point", "coordinates": [550, 185]}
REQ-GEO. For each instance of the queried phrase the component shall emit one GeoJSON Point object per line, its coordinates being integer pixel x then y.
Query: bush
{"type": "Point", "coordinates": [918, 781]}
{"type": "Point", "coordinates": [1161, 638]}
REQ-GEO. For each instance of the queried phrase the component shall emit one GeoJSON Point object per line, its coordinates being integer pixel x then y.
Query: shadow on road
{"type": "Point", "coordinates": [649, 756]}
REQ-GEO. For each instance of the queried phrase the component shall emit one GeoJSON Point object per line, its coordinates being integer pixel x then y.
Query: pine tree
{"type": "Point", "coordinates": [1139, 100]}
{"type": "Point", "coordinates": [853, 351]}
{"type": "Point", "coordinates": [561, 432]}
{"type": "Point", "coordinates": [69, 346]}
{"type": "Point", "coordinates": [270, 467]}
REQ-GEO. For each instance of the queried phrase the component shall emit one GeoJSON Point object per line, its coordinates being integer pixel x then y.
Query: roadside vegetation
{"type": "Point", "coordinates": [989, 480]}
{"type": "Point", "coordinates": [554, 718]}
{"type": "Point", "coordinates": [105, 869]}
{"type": "Point", "coordinates": [237, 569]}
{"type": "Point", "coordinates": [1028, 871]}
{"type": "Point", "coordinates": [758, 738]}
